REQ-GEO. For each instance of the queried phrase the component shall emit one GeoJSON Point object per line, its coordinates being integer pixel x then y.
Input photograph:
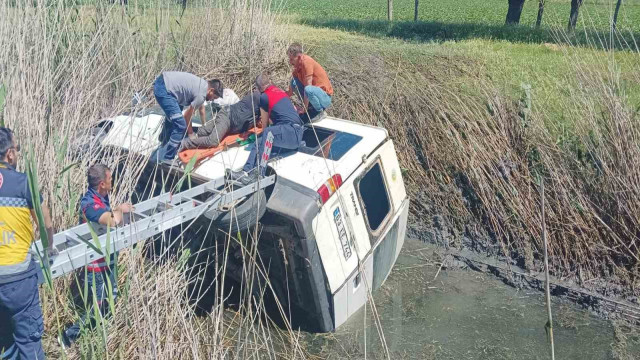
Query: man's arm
{"type": "Point", "coordinates": [48, 224]}
{"type": "Point", "coordinates": [203, 115]}
{"type": "Point", "coordinates": [264, 118]}
{"type": "Point", "coordinates": [187, 118]}
{"type": "Point", "coordinates": [308, 81]}
{"type": "Point", "coordinates": [114, 218]}
{"type": "Point", "coordinates": [290, 91]}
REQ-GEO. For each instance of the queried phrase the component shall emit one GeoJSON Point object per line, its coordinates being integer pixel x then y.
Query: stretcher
{"type": "Point", "coordinates": [229, 141]}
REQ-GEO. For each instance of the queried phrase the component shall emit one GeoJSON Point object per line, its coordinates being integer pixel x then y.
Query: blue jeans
{"type": "Point", "coordinates": [174, 125]}
{"type": "Point", "coordinates": [318, 99]}
{"type": "Point", "coordinates": [285, 137]}
{"type": "Point", "coordinates": [19, 301]}
{"type": "Point", "coordinates": [95, 281]}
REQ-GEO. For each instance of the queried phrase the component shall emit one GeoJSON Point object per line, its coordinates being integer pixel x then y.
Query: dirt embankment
{"type": "Point", "coordinates": [473, 159]}
{"type": "Point", "coordinates": [472, 247]}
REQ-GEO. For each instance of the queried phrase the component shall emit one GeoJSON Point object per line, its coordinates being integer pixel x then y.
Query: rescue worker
{"type": "Point", "coordinates": [310, 82]}
{"type": "Point", "coordinates": [19, 299]}
{"type": "Point", "coordinates": [96, 208]}
{"type": "Point", "coordinates": [175, 90]}
{"type": "Point", "coordinates": [275, 107]}
{"type": "Point", "coordinates": [234, 119]}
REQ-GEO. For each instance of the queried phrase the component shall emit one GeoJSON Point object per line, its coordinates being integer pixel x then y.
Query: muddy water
{"type": "Point", "coordinates": [464, 314]}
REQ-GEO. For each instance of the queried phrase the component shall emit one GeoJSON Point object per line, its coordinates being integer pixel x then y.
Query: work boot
{"type": "Point", "coordinates": [172, 163]}
{"type": "Point", "coordinates": [319, 116]}
{"type": "Point", "coordinates": [64, 340]}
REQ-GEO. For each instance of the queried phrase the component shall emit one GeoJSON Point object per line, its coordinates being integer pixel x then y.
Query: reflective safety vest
{"type": "Point", "coordinates": [15, 221]}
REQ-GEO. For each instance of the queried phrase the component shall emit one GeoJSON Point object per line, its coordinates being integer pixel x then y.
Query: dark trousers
{"type": "Point", "coordinates": [21, 314]}
{"type": "Point", "coordinates": [211, 134]}
{"type": "Point", "coordinates": [96, 281]}
{"type": "Point", "coordinates": [175, 125]}
{"type": "Point", "coordinates": [285, 137]}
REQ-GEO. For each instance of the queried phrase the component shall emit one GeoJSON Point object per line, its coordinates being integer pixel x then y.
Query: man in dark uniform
{"type": "Point", "coordinates": [19, 299]}
{"type": "Point", "coordinates": [234, 119]}
{"type": "Point", "coordinates": [276, 108]}
{"type": "Point", "coordinates": [96, 208]}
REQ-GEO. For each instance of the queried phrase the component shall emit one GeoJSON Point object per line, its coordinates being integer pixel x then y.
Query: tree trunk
{"type": "Point", "coordinates": [389, 10]}
{"type": "Point", "coordinates": [615, 15]}
{"type": "Point", "coordinates": [540, 12]}
{"type": "Point", "coordinates": [573, 17]}
{"type": "Point", "coordinates": [415, 11]}
{"type": "Point", "coordinates": [515, 10]}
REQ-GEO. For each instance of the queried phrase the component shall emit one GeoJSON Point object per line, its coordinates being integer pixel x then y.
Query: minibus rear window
{"type": "Point", "coordinates": [333, 144]}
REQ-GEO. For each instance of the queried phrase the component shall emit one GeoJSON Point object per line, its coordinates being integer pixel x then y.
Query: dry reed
{"type": "Point", "coordinates": [65, 68]}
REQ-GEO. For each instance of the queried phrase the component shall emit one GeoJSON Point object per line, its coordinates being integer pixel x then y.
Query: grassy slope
{"type": "Point", "coordinates": [473, 29]}
{"type": "Point", "coordinates": [507, 64]}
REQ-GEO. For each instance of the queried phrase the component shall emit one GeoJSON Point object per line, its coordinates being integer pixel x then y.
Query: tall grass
{"type": "Point", "coordinates": [63, 68]}
{"type": "Point", "coordinates": [473, 156]}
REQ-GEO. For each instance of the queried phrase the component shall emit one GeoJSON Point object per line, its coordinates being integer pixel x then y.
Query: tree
{"type": "Point", "coordinates": [615, 15]}
{"type": "Point", "coordinates": [573, 17]}
{"type": "Point", "coordinates": [389, 10]}
{"type": "Point", "coordinates": [415, 11]}
{"type": "Point", "coordinates": [540, 12]}
{"type": "Point", "coordinates": [514, 12]}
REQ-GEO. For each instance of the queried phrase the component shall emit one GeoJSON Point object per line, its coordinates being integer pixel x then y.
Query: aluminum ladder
{"type": "Point", "coordinates": [150, 217]}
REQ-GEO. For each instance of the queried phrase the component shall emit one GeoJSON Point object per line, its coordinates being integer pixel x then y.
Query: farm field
{"type": "Point", "coordinates": [486, 13]}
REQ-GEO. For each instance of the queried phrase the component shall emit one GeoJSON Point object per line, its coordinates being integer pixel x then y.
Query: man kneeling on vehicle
{"type": "Point", "coordinates": [310, 82]}
{"type": "Point", "coordinates": [234, 119]}
{"type": "Point", "coordinates": [175, 90]}
{"type": "Point", "coordinates": [275, 107]}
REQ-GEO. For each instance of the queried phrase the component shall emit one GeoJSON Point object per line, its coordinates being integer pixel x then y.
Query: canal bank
{"type": "Point", "coordinates": [428, 310]}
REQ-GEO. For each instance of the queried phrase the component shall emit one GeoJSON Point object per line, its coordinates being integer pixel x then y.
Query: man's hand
{"type": "Point", "coordinates": [193, 136]}
{"type": "Point", "coordinates": [126, 208]}
{"type": "Point", "coordinates": [53, 252]}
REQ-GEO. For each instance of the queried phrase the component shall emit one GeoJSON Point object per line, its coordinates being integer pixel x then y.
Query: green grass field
{"type": "Point", "coordinates": [460, 20]}
{"type": "Point", "coordinates": [485, 12]}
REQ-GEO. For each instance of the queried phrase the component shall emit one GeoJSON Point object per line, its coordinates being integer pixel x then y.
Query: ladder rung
{"type": "Point", "coordinates": [154, 209]}
{"type": "Point", "coordinates": [196, 202]}
{"type": "Point", "coordinates": [211, 189]}
{"type": "Point", "coordinates": [86, 236]}
{"type": "Point", "coordinates": [69, 242]}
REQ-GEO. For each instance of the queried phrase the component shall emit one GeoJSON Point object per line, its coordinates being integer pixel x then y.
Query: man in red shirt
{"type": "Point", "coordinates": [286, 127]}
{"type": "Point", "coordinates": [310, 82]}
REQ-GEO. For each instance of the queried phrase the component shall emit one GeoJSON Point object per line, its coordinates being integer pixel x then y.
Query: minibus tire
{"type": "Point", "coordinates": [243, 216]}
